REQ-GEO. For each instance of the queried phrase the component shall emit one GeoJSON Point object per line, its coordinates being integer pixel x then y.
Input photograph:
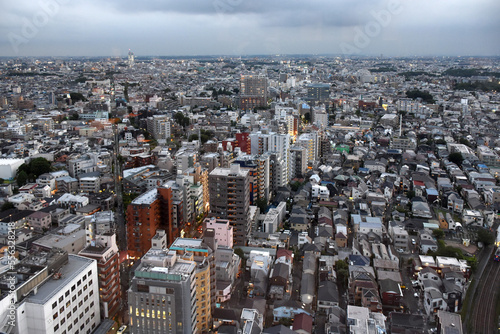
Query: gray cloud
{"type": "Point", "coordinates": [171, 27]}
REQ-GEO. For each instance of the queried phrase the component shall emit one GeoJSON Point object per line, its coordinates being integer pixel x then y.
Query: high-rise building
{"type": "Point", "coordinates": [196, 250]}
{"type": "Point", "coordinates": [145, 214]}
{"type": "Point", "coordinates": [162, 294]}
{"type": "Point", "coordinates": [318, 92]}
{"type": "Point", "coordinates": [279, 144]}
{"type": "Point", "coordinates": [131, 58]}
{"type": "Point", "coordinates": [108, 269]}
{"type": "Point", "coordinates": [258, 168]}
{"type": "Point", "coordinates": [230, 199]}
{"type": "Point", "coordinates": [159, 126]}
{"type": "Point", "coordinates": [200, 178]}
{"type": "Point", "coordinates": [143, 219]}
{"type": "Point", "coordinates": [298, 158]}
{"type": "Point", "coordinates": [243, 142]}
{"type": "Point", "coordinates": [310, 142]}
{"type": "Point", "coordinates": [253, 91]}
{"type": "Point", "coordinates": [227, 263]}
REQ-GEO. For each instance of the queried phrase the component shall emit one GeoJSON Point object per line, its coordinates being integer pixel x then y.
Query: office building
{"type": "Point", "coordinates": [318, 92]}
{"type": "Point", "coordinates": [54, 293]}
{"type": "Point", "coordinates": [253, 91]}
{"type": "Point", "coordinates": [196, 250]}
{"type": "Point", "coordinates": [162, 294]}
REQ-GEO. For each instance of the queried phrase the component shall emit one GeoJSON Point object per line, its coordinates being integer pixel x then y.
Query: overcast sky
{"type": "Point", "coordinates": [243, 27]}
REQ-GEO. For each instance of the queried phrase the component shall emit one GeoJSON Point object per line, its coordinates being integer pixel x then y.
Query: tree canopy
{"type": "Point", "coordinates": [425, 96]}
{"type": "Point", "coordinates": [456, 157]}
{"type": "Point", "coordinates": [181, 119]}
{"type": "Point", "coordinates": [485, 236]}
{"type": "Point", "coordinates": [32, 170]}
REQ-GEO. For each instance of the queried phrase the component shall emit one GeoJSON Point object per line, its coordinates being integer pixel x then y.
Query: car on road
{"type": "Point", "coordinates": [413, 242]}
{"type": "Point", "coordinates": [121, 329]}
{"type": "Point", "coordinates": [415, 295]}
{"type": "Point", "coordinates": [414, 283]}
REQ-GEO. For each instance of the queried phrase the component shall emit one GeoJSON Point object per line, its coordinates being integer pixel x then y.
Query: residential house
{"type": "Point", "coordinates": [303, 324]}
{"type": "Point", "coordinates": [391, 293]}
{"type": "Point", "coordinates": [328, 295]}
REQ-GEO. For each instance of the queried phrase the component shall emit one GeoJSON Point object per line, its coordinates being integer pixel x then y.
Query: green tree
{"type": "Point", "coordinates": [39, 166]}
{"type": "Point", "coordinates": [181, 119]}
{"type": "Point", "coordinates": [307, 117]}
{"type": "Point", "coordinates": [75, 97]}
{"type": "Point", "coordinates": [238, 251]}
{"type": "Point", "coordinates": [128, 198]}
{"type": "Point", "coordinates": [22, 178]}
{"type": "Point", "coordinates": [438, 233]}
{"type": "Point", "coordinates": [342, 269]}
{"type": "Point", "coordinates": [295, 185]}
{"type": "Point", "coordinates": [6, 206]}
{"type": "Point", "coordinates": [287, 322]}
{"type": "Point", "coordinates": [23, 168]}
{"type": "Point", "coordinates": [485, 236]}
{"type": "Point", "coordinates": [262, 204]}
{"type": "Point", "coordinates": [456, 157]}
{"type": "Point", "coordinates": [440, 142]}
{"type": "Point", "coordinates": [410, 194]}
{"type": "Point", "coordinates": [425, 96]}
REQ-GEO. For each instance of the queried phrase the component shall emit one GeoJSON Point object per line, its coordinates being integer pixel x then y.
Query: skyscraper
{"type": "Point", "coordinates": [131, 58]}
{"type": "Point", "coordinates": [230, 199]}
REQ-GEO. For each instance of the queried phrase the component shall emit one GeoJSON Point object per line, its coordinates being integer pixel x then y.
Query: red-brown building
{"type": "Point", "coordinates": [243, 142]}
{"type": "Point", "coordinates": [147, 213]}
{"type": "Point", "coordinates": [108, 269]}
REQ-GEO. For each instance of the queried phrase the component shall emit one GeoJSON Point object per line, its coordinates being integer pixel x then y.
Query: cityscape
{"type": "Point", "coordinates": [230, 167]}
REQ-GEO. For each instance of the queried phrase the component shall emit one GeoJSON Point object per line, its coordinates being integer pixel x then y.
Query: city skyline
{"type": "Point", "coordinates": [234, 27]}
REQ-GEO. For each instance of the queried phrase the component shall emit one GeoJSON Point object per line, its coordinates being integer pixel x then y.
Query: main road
{"type": "Point", "coordinates": [120, 222]}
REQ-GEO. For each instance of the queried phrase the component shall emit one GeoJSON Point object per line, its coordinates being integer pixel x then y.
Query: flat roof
{"type": "Point", "coordinates": [188, 244]}
{"type": "Point", "coordinates": [75, 266]}
{"type": "Point", "coordinates": [146, 198]}
{"type": "Point", "coordinates": [10, 161]}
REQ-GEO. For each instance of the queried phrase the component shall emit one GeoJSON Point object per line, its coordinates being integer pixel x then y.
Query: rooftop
{"type": "Point", "coordinates": [146, 198]}
{"type": "Point", "coordinates": [75, 266]}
